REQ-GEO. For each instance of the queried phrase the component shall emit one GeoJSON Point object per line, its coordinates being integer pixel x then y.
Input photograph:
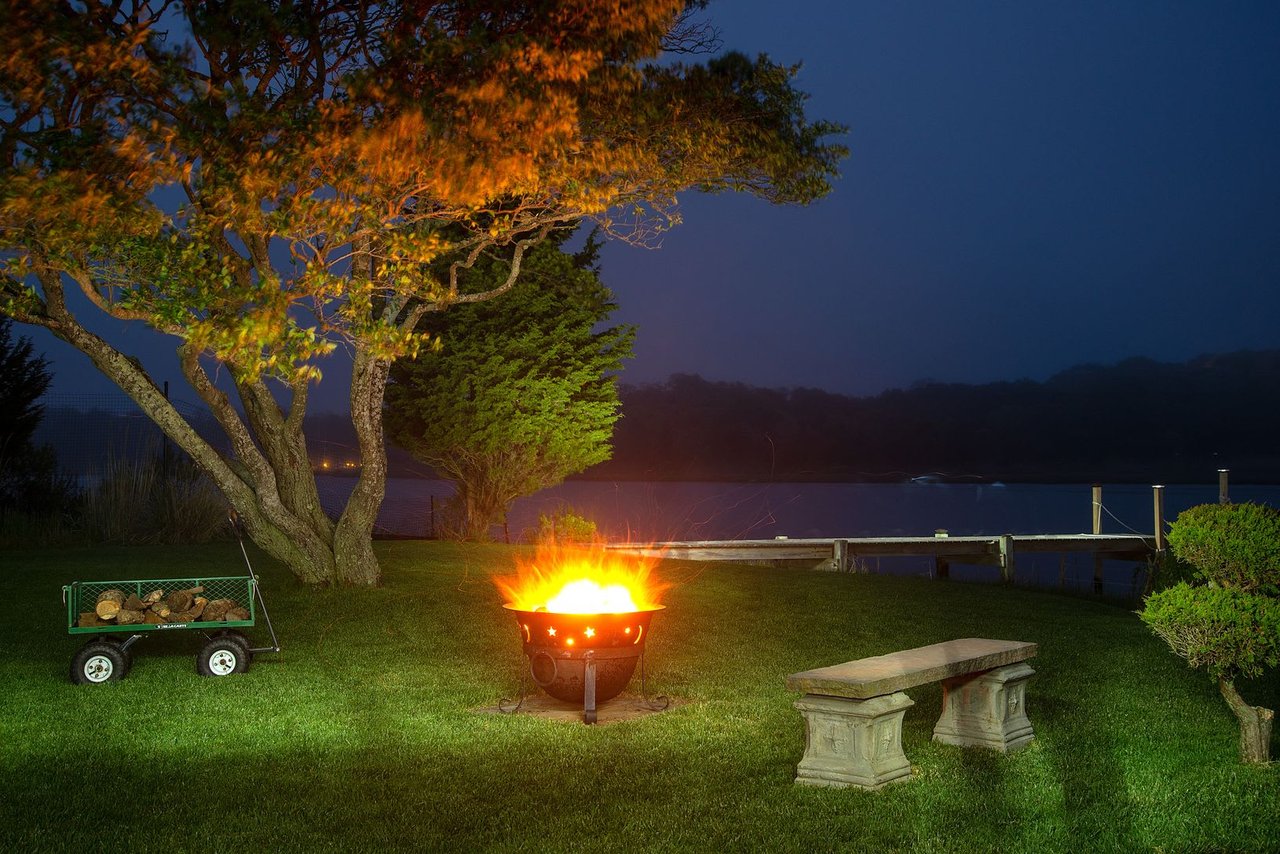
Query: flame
{"type": "Point", "coordinates": [567, 580]}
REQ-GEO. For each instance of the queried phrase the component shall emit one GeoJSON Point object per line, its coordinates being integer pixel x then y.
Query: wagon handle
{"type": "Point", "coordinates": [234, 517]}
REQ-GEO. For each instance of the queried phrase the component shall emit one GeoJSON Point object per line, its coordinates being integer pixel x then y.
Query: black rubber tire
{"type": "Point", "coordinates": [231, 634]}
{"type": "Point", "coordinates": [97, 662]}
{"type": "Point", "coordinates": [222, 656]}
{"type": "Point", "coordinates": [118, 642]}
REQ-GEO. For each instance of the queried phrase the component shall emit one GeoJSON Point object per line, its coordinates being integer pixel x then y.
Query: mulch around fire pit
{"type": "Point", "coordinates": [625, 707]}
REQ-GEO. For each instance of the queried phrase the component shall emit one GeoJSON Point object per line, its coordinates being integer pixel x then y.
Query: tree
{"type": "Point", "coordinates": [26, 472]}
{"type": "Point", "coordinates": [522, 392]}
{"type": "Point", "coordinates": [24, 378]}
{"type": "Point", "coordinates": [269, 181]}
{"type": "Point", "coordinates": [1229, 622]}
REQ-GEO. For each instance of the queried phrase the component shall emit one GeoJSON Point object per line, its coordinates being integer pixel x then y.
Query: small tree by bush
{"type": "Point", "coordinates": [1228, 621]}
{"type": "Point", "coordinates": [566, 526]}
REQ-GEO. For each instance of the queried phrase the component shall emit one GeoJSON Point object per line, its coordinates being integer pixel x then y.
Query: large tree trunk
{"type": "Point", "coordinates": [268, 480]}
{"type": "Point", "coordinates": [353, 537]}
{"type": "Point", "coordinates": [1255, 725]}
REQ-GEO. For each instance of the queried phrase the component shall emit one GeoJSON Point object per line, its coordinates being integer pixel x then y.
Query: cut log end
{"type": "Point", "coordinates": [109, 603]}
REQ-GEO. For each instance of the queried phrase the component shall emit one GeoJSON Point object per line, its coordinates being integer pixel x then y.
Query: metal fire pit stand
{"type": "Point", "coordinates": [589, 711]}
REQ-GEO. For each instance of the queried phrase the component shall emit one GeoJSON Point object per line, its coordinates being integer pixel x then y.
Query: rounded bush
{"type": "Point", "coordinates": [1235, 545]}
{"type": "Point", "coordinates": [1228, 632]}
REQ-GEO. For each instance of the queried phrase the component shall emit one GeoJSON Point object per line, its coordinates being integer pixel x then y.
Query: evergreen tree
{"type": "Point", "coordinates": [520, 393]}
{"type": "Point", "coordinates": [28, 479]}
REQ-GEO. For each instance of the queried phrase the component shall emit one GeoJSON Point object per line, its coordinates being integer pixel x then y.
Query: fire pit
{"type": "Point", "coordinates": [583, 623]}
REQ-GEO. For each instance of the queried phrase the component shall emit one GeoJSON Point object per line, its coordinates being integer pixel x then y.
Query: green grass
{"type": "Point", "coordinates": [361, 736]}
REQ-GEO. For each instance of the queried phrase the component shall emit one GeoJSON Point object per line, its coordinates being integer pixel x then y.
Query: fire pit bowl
{"type": "Point", "coordinates": [560, 647]}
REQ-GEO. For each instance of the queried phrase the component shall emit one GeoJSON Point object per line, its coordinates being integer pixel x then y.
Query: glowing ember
{"type": "Point", "coordinates": [581, 581]}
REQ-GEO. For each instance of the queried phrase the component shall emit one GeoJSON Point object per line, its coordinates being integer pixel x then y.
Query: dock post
{"type": "Point", "coordinates": [1222, 486]}
{"type": "Point", "coordinates": [1097, 529]}
{"type": "Point", "coordinates": [840, 555]}
{"type": "Point", "coordinates": [942, 568]}
{"type": "Point", "coordinates": [1006, 558]}
{"type": "Point", "coordinates": [1157, 498]}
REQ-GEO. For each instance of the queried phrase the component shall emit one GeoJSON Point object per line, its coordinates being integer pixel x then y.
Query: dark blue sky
{"type": "Point", "coordinates": [1031, 186]}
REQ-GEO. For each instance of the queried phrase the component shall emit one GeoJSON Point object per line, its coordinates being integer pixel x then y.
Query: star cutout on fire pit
{"type": "Point", "coordinates": [551, 631]}
{"type": "Point", "coordinates": [590, 632]}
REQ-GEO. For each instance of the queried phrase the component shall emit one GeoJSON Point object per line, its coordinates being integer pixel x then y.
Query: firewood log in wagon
{"type": "Point", "coordinates": [91, 618]}
{"type": "Point", "coordinates": [109, 602]}
{"type": "Point", "coordinates": [128, 617]}
{"type": "Point", "coordinates": [217, 610]}
{"type": "Point", "coordinates": [133, 603]}
{"type": "Point", "coordinates": [153, 597]}
{"type": "Point", "coordinates": [236, 613]}
{"type": "Point", "coordinates": [161, 608]}
{"type": "Point", "coordinates": [181, 600]}
{"type": "Point", "coordinates": [191, 614]}
{"type": "Point", "coordinates": [151, 618]}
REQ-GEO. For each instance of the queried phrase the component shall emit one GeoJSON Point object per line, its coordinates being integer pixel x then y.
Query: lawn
{"type": "Point", "coordinates": [362, 734]}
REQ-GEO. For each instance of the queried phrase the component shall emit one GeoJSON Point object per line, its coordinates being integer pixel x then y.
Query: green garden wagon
{"type": "Point", "coordinates": [226, 650]}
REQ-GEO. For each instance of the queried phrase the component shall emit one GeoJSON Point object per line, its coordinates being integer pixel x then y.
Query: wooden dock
{"type": "Point", "coordinates": [842, 554]}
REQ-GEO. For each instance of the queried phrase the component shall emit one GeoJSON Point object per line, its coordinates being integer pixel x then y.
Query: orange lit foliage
{"type": "Point", "coordinates": [268, 181]}
{"type": "Point", "coordinates": [570, 580]}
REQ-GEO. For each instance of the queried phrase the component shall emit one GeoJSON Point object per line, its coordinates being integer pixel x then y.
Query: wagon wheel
{"type": "Point", "coordinates": [222, 656]}
{"type": "Point", "coordinates": [118, 642]}
{"type": "Point", "coordinates": [238, 637]}
{"type": "Point", "coordinates": [98, 662]}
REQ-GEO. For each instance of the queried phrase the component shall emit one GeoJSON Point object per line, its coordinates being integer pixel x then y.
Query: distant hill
{"type": "Point", "coordinates": [1139, 420]}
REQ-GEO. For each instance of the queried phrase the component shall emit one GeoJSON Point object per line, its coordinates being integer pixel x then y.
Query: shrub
{"type": "Point", "coordinates": [1235, 545]}
{"type": "Point", "coordinates": [1165, 570]}
{"type": "Point", "coordinates": [147, 502]}
{"type": "Point", "coordinates": [566, 526]}
{"type": "Point", "coordinates": [1227, 632]}
{"type": "Point", "coordinates": [1229, 624]}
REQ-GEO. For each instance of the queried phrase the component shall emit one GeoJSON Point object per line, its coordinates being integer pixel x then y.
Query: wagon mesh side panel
{"type": "Point", "coordinates": [239, 588]}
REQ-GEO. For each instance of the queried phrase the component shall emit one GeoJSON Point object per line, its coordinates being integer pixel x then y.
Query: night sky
{"type": "Point", "coordinates": [1031, 186]}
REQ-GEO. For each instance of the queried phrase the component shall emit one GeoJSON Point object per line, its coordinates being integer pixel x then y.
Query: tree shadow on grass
{"type": "Point", "coordinates": [1083, 755]}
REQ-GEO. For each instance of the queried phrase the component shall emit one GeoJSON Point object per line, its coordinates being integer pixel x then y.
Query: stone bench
{"type": "Point", "coordinates": [853, 711]}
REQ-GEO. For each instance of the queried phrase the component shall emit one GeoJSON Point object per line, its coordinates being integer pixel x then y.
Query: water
{"type": "Point", "coordinates": [653, 511]}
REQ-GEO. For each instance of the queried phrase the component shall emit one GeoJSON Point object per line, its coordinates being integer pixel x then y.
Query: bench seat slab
{"type": "Point", "coordinates": [901, 671]}
{"type": "Point", "coordinates": [852, 742]}
{"type": "Point", "coordinates": [986, 709]}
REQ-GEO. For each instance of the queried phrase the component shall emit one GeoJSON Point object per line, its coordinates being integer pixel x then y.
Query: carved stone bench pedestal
{"type": "Point", "coordinates": [986, 710]}
{"type": "Point", "coordinates": [853, 742]}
